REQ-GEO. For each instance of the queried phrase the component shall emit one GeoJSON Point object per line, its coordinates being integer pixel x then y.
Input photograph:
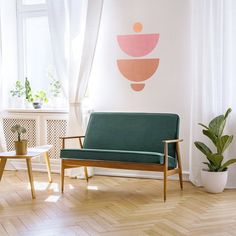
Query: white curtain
{"type": "Point", "coordinates": [9, 70]}
{"type": "Point", "coordinates": [213, 38]}
{"type": "Point", "coordinates": [58, 24]}
{"type": "Point", "coordinates": [2, 137]}
{"type": "Point", "coordinates": [74, 27]}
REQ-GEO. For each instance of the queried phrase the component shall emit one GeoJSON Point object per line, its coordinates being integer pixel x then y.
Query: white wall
{"type": "Point", "coordinates": [169, 90]}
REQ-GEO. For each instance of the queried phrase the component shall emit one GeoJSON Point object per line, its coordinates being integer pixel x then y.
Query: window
{"type": "Point", "coordinates": [33, 2]}
{"type": "Point", "coordinates": [35, 58]}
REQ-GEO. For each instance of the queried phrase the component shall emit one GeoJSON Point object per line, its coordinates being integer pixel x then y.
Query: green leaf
{"type": "Point", "coordinates": [226, 164]}
{"type": "Point", "coordinates": [28, 92]}
{"type": "Point", "coordinates": [203, 125]}
{"type": "Point", "coordinates": [210, 167]}
{"type": "Point", "coordinates": [217, 125]}
{"type": "Point", "coordinates": [13, 129]}
{"type": "Point", "coordinates": [223, 143]}
{"type": "Point", "coordinates": [203, 148]}
{"type": "Point", "coordinates": [227, 112]}
{"type": "Point", "coordinates": [210, 135]}
{"type": "Point", "coordinates": [216, 159]}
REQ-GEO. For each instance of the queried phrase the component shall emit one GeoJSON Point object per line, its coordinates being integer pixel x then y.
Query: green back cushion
{"type": "Point", "coordinates": [131, 131]}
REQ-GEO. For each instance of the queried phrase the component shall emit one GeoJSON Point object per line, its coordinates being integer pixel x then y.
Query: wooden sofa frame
{"type": "Point", "coordinates": [68, 163]}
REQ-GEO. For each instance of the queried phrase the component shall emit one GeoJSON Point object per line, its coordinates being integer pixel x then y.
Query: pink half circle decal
{"type": "Point", "coordinates": [138, 70]}
{"type": "Point", "coordinates": [138, 45]}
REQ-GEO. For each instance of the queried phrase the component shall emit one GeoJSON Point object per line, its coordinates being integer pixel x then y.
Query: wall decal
{"type": "Point", "coordinates": [137, 27]}
{"type": "Point", "coordinates": [138, 45]}
{"type": "Point", "coordinates": [137, 87]}
{"type": "Point", "coordinates": [138, 70]}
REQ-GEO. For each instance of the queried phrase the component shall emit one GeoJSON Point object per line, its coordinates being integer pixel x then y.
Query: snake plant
{"type": "Point", "coordinates": [214, 131]}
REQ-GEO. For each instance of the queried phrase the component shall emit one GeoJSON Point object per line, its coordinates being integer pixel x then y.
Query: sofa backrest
{"type": "Point", "coordinates": [131, 131]}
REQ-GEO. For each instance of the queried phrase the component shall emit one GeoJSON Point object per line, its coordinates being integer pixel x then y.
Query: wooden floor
{"type": "Point", "coordinates": [112, 206]}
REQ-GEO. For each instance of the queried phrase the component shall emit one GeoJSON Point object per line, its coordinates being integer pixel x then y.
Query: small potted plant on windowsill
{"type": "Point", "coordinates": [38, 99]}
{"type": "Point", "coordinates": [55, 91]}
{"type": "Point", "coordinates": [20, 144]}
{"type": "Point", "coordinates": [17, 95]}
{"type": "Point", "coordinates": [215, 177]}
{"type": "Point", "coordinates": [28, 93]}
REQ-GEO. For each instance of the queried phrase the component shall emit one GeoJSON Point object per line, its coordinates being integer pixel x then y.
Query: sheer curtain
{"type": "Point", "coordinates": [58, 23]}
{"type": "Point", "coordinates": [74, 27]}
{"type": "Point", "coordinates": [2, 137]}
{"type": "Point", "coordinates": [213, 40]}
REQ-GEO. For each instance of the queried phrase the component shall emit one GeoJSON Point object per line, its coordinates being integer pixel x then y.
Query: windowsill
{"type": "Point", "coordinates": [41, 110]}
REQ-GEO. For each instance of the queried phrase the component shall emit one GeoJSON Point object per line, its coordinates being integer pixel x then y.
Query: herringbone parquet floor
{"type": "Point", "coordinates": [112, 206]}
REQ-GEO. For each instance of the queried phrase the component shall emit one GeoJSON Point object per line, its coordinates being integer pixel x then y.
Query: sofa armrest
{"type": "Point", "coordinates": [72, 137]}
{"type": "Point", "coordinates": [172, 141]}
{"type": "Point", "coordinates": [166, 142]}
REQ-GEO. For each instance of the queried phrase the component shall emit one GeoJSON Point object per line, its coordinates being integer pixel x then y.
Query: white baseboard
{"type": "Point", "coordinates": [137, 174]}
{"type": "Point", "coordinates": [41, 167]}
{"type": "Point", "coordinates": [55, 167]}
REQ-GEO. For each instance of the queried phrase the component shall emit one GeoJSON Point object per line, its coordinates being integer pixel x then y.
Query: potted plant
{"type": "Point", "coordinates": [28, 92]}
{"type": "Point", "coordinates": [20, 144]}
{"type": "Point", "coordinates": [38, 99]}
{"type": "Point", "coordinates": [17, 94]}
{"type": "Point", "coordinates": [55, 88]}
{"type": "Point", "coordinates": [215, 177]}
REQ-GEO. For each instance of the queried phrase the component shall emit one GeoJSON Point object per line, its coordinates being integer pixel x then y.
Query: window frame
{"type": "Point", "coordinates": [23, 12]}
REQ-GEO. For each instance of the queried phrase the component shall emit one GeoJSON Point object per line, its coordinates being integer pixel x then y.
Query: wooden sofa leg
{"type": "Point", "coordinates": [86, 173]}
{"type": "Point", "coordinates": [165, 184]}
{"type": "Point", "coordinates": [62, 176]}
{"type": "Point", "coordinates": [179, 166]}
{"type": "Point", "coordinates": [180, 179]}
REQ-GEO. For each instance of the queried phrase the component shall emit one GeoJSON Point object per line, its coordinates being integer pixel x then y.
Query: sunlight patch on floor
{"type": "Point", "coordinates": [52, 198]}
{"type": "Point", "coordinates": [71, 186]}
{"type": "Point", "coordinates": [45, 186]}
{"type": "Point", "coordinates": [92, 187]}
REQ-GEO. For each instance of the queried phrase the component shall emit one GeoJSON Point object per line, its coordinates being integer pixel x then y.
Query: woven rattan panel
{"type": "Point", "coordinates": [55, 129]}
{"type": "Point", "coordinates": [30, 135]}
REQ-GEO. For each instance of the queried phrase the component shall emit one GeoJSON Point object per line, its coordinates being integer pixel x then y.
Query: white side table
{"type": "Point", "coordinates": [32, 152]}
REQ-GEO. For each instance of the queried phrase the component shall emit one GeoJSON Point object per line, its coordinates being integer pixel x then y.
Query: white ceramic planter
{"type": "Point", "coordinates": [214, 182]}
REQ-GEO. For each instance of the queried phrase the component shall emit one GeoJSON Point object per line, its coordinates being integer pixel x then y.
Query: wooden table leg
{"type": "Point", "coordinates": [86, 173]}
{"type": "Point", "coordinates": [2, 166]}
{"type": "Point", "coordinates": [48, 167]}
{"type": "Point", "coordinates": [29, 167]}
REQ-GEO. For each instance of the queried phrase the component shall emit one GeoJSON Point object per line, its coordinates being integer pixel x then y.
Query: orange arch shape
{"type": "Point", "coordinates": [137, 87]}
{"type": "Point", "coordinates": [138, 69]}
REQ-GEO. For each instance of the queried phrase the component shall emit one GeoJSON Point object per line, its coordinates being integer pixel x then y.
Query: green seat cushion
{"type": "Point", "coordinates": [117, 155]}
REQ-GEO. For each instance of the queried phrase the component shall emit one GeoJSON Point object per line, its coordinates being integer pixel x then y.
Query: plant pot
{"type": "Point", "coordinates": [37, 105]}
{"type": "Point", "coordinates": [214, 182]}
{"type": "Point", "coordinates": [21, 147]}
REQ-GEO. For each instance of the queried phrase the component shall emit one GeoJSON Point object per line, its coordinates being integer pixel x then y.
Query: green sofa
{"type": "Point", "coordinates": [136, 141]}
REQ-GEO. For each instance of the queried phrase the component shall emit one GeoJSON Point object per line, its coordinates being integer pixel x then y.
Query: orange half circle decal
{"type": "Point", "coordinates": [138, 70]}
{"type": "Point", "coordinates": [137, 87]}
